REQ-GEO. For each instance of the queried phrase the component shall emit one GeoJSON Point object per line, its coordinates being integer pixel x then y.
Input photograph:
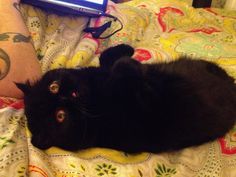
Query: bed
{"type": "Point", "coordinates": [160, 31]}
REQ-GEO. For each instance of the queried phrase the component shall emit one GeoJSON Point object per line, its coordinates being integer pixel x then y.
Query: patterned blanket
{"type": "Point", "coordinates": [159, 30]}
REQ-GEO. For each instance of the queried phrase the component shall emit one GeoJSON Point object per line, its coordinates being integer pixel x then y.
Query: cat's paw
{"type": "Point", "coordinates": [127, 67]}
{"type": "Point", "coordinates": [112, 54]}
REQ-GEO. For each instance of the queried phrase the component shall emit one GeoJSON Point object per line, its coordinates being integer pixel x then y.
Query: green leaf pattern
{"type": "Point", "coordinates": [163, 171]}
{"type": "Point", "coordinates": [4, 142]}
{"type": "Point", "coordinates": [22, 171]}
{"type": "Point", "coordinates": [105, 170]}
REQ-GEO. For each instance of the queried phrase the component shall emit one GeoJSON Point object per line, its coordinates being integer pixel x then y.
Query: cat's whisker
{"type": "Point", "coordinates": [88, 112]}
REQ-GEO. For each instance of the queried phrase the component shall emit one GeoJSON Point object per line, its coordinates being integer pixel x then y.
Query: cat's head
{"type": "Point", "coordinates": [54, 109]}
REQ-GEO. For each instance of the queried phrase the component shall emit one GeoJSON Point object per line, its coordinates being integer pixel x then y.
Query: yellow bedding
{"type": "Point", "coordinates": [159, 30]}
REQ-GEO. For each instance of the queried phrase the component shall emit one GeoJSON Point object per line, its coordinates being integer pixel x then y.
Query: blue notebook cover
{"type": "Point", "coordinates": [79, 7]}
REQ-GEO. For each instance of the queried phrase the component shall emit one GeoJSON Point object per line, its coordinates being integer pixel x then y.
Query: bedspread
{"type": "Point", "coordinates": [160, 31]}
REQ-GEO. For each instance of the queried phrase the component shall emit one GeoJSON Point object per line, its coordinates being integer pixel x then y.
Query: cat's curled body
{"type": "Point", "coordinates": [132, 107]}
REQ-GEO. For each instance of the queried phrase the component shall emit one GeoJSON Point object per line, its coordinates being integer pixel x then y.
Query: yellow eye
{"type": "Point", "coordinates": [54, 87]}
{"type": "Point", "coordinates": [60, 115]}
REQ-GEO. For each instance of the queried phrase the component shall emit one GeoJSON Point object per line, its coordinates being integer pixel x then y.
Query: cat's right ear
{"type": "Point", "coordinates": [24, 87]}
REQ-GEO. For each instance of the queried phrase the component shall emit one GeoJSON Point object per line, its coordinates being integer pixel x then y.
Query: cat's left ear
{"type": "Point", "coordinates": [25, 88]}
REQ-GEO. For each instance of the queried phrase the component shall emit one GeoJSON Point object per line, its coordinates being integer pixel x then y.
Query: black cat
{"type": "Point", "coordinates": [132, 107]}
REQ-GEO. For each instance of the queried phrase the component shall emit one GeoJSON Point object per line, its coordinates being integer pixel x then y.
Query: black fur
{"type": "Point", "coordinates": [132, 107]}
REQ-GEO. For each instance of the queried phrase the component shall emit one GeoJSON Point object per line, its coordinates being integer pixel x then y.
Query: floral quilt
{"type": "Point", "coordinates": [160, 31]}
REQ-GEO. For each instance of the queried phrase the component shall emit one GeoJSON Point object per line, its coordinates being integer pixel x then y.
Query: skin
{"type": "Point", "coordinates": [4, 64]}
{"type": "Point", "coordinates": [15, 65]}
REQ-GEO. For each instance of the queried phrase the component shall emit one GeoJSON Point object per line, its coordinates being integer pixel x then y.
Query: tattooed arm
{"type": "Point", "coordinates": [18, 61]}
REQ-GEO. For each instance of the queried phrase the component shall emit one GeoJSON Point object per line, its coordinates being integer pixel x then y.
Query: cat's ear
{"type": "Point", "coordinates": [112, 54]}
{"type": "Point", "coordinates": [24, 87]}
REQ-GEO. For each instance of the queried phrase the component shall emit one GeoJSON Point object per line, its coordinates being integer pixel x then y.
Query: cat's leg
{"type": "Point", "coordinates": [111, 55]}
{"type": "Point", "coordinates": [127, 72]}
